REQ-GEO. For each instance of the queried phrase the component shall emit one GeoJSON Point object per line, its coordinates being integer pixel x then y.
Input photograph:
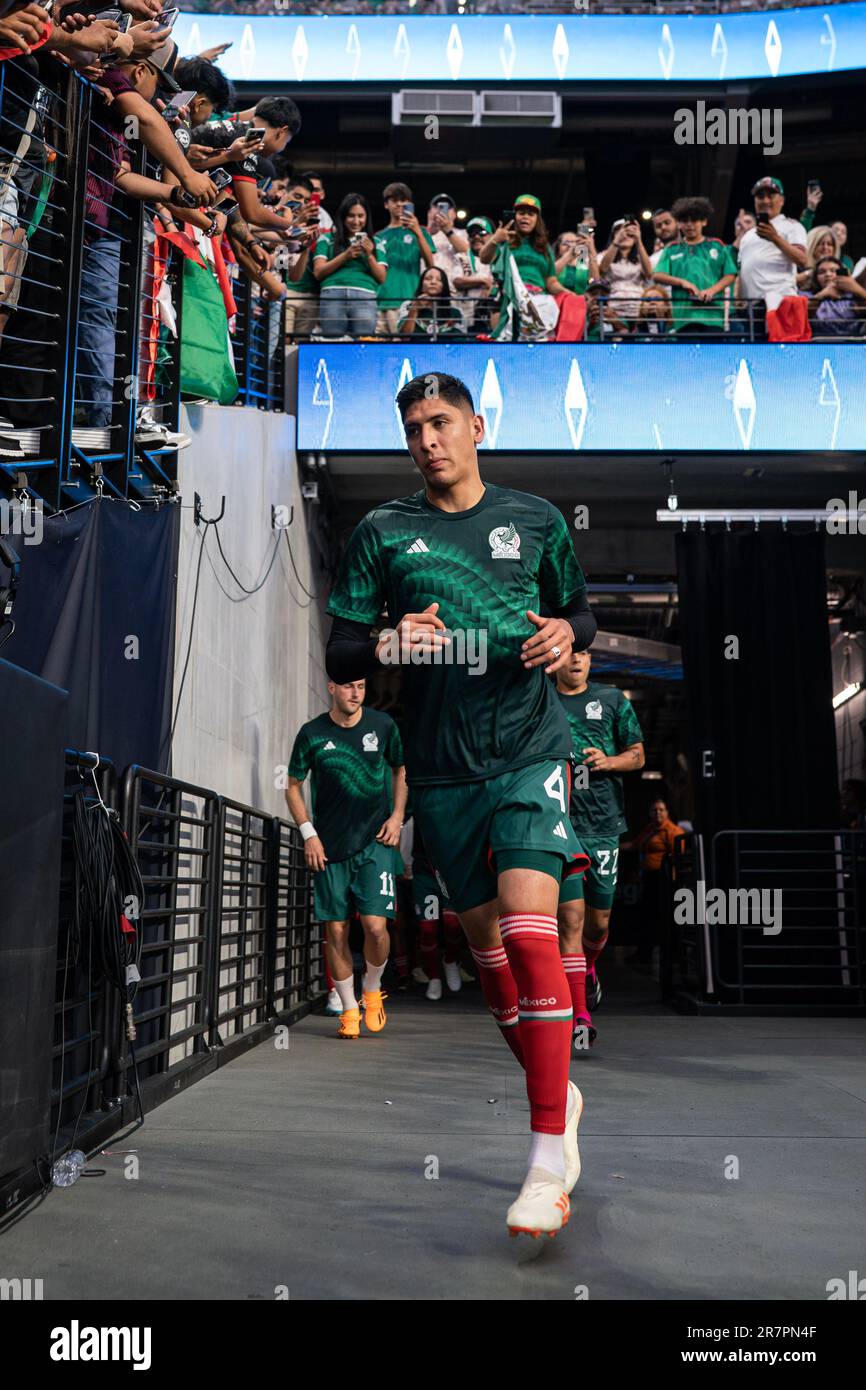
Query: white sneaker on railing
{"type": "Point", "coordinates": [92, 438]}
{"type": "Point", "coordinates": [150, 431]}
{"type": "Point", "coordinates": [10, 447]}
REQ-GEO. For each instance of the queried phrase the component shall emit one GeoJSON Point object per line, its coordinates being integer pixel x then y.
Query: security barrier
{"type": "Point", "coordinates": [229, 945]}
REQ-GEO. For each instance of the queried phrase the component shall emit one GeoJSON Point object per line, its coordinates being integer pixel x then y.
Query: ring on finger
{"type": "Point", "coordinates": [554, 651]}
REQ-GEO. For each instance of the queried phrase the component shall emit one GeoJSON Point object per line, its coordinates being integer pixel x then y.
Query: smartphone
{"type": "Point", "coordinates": [220, 178]}
{"type": "Point", "coordinates": [178, 100]}
{"type": "Point", "coordinates": [114, 15]}
{"type": "Point", "coordinates": [507, 215]}
{"type": "Point", "coordinates": [813, 186]}
{"type": "Point", "coordinates": [255, 135]}
{"type": "Point", "coordinates": [166, 18]}
{"type": "Point", "coordinates": [316, 199]}
{"type": "Point", "coordinates": [763, 218]}
{"type": "Point", "coordinates": [444, 208]}
{"type": "Point", "coordinates": [589, 216]}
{"type": "Point", "coordinates": [585, 228]}
{"type": "Point", "coordinates": [408, 211]}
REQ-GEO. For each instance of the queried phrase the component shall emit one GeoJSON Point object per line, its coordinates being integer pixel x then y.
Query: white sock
{"type": "Point", "coordinates": [547, 1152]}
{"type": "Point", "coordinates": [373, 975]}
{"type": "Point", "coordinates": [346, 990]}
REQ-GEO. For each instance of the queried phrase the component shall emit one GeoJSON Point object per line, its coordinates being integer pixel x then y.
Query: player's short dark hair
{"type": "Point", "coordinates": [203, 76]}
{"type": "Point", "coordinates": [279, 111]}
{"type": "Point", "coordinates": [422, 388]}
{"type": "Point", "coordinates": [700, 208]}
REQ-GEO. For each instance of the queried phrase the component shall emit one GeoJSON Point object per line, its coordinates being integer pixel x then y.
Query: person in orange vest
{"type": "Point", "coordinates": [655, 842]}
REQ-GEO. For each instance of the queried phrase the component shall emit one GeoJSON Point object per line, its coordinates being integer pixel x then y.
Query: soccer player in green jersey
{"type": "Point", "coordinates": [607, 741]}
{"type": "Point", "coordinates": [698, 270]}
{"type": "Point", "coordinates": [463, 569]}
{"type": "Point", "coordinates": [352, 848]}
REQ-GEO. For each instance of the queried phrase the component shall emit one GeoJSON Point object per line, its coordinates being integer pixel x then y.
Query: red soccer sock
{"type": "Point", "coordinates": [531, 942]}
{"type": "Point", "coordinates": [453, 937]}
{"type": "Point", "coordinates": [500, 992]}
{"type": "Point", "coordinates": [575, 974]}
{"type": "Point", "coordinates": [428, 949]}
{"type": "Point", "coordinates": [592, 951]}
{"type": "Point", "coordinates": [329, 979]}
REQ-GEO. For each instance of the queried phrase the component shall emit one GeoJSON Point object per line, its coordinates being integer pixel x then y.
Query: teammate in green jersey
{"type": "Point", "coordinates": [463, 570]}
{"type": "Point", "coordinates": [607, 741]}
{"type": "Point", "coordinates": [352, 848]}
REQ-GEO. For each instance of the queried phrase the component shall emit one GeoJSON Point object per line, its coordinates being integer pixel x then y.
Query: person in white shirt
{"type": "Point", "coordinates": [772, 252]}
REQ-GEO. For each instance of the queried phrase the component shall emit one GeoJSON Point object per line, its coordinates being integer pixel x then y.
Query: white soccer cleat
{"type": "Point", "coordinates": [452, 975]}
{"type": "Point", "coordinates": [573, 1112]}
{"type": "Point", "coordinates": [434, 990]}
{"type": "Point", "coordinates": [420, 976]}
{"type": "Point", "coordinates": [334, 1006]}
{"type": "Point", "coordinates": [542, 1207]}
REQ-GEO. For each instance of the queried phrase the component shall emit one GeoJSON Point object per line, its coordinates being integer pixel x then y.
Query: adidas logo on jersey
{"type": "Point", "coordinates": [418, 548]}
{"type": "Point", "coordinates": [560, 830]}
{"type": "Point", "coordinates": [328, 745]}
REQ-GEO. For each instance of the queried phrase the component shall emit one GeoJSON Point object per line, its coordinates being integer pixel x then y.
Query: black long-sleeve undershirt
{"type": "Point", "coordinates": [351, 652]}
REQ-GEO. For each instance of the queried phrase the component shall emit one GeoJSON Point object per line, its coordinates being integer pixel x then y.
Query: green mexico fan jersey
{"type": "Point", "coordinates": [600, 717]}
{"type": "Point", "coordinates": [473, 710]}
{"type": "Point", "coordinates": [351, 782]}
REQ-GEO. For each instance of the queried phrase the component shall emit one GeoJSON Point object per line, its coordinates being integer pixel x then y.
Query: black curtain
{"type": "Point", "coordinates": [31, 815]}
{"type": "Point", "coordinates": [763, 737]}
{"type": "Point", "coordinates": [95, 615]}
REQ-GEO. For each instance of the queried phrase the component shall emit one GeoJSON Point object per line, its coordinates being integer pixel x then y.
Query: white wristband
{"type": "Point", "coordinates": [308, 830]}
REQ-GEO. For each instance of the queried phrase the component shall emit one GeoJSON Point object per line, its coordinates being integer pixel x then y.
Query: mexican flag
{"type": "Point", "coordinates": [206, 366]}
{"type": "Point", "coordinates": [516, 305]}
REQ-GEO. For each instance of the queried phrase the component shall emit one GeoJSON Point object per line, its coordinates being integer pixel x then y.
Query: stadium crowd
{"type": "Point", "coordinates": [220, 191]}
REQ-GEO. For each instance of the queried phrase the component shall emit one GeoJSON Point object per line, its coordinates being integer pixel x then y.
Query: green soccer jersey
{"type": "Point", "coordinates": [399, 248]}
{"type": "Point", "coordinates": [354, 274]}
{"type": "Point", "coordinates": [351, 784]}
{"type": "Point", "coordinates": [703, 265]}
{"type": "Point", "coordinates": [599, 717]}
{"type": "Point", "coordinates": [574, 278]}
{"type": "Point", "coordinates": [474, 711]}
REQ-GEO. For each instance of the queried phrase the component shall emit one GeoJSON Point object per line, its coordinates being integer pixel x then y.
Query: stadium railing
{"type": "Point", "coordinates": [230, 948]}
{"type": "Point", "coordinates": [740, 320]}
{"type": "Point", "coordinates": [805, 954]}
{"type": "Point", "coordinates": [67, 413]}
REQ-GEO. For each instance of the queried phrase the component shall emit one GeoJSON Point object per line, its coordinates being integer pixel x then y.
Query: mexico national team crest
{"type": "Point", "coordinates": [594, 710]}
{"type": "Point", "coordinates": [371, 743]}
{"type": "Point", "coordinates": [504, 543]}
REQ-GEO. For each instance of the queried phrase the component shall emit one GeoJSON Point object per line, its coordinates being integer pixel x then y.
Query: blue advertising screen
{"type": "Point", "coordinates": [597, 397]}
{"type": "Point", "coordinates": [294, 49]}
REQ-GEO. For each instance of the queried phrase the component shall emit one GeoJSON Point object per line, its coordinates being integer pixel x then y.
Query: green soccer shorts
{"type": "Point", "coordinates": [367, 880]}
{"type": "Point", "coordinates": [426, 895]}
{"type": "Point", "coordinates": [598, 884]}
{"type": "Point", "coordinates": [467, 824]}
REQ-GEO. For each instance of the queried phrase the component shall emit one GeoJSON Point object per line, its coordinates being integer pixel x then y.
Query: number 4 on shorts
{"type": "Point", "coordinates": [555, 787]}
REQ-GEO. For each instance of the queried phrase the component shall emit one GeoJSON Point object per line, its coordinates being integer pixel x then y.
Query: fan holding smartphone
{"type": "Point", "coordinates": [275, 120]}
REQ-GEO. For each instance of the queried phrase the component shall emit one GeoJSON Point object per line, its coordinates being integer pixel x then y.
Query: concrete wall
{"type": "Point", "coordinates": [256, 667]}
